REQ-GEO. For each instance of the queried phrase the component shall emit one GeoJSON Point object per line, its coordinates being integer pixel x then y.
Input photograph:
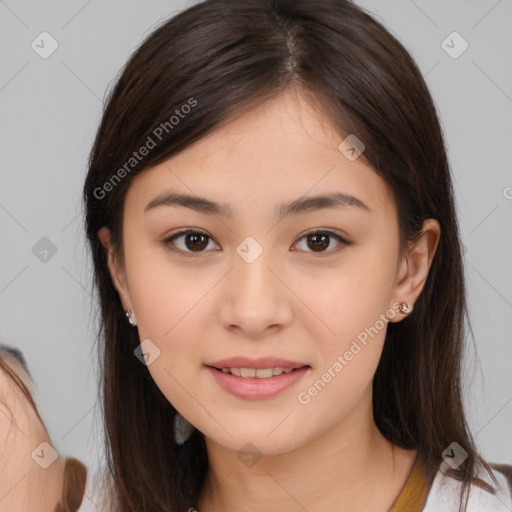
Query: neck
{"type": "Point", "coordinates": [332, 472]}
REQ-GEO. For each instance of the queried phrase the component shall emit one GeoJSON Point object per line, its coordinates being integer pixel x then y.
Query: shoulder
{"type": "Point", "coordinates": [445, 491]}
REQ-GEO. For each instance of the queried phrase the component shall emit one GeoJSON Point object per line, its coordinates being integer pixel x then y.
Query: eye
{"type": "Point", "coordinates": [194, 241]}
{"type": "Point", "coordinates": [319, 240]}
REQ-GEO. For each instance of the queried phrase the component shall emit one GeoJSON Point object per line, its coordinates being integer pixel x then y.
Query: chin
{"type": "Point", "coordinates": [256, 445]}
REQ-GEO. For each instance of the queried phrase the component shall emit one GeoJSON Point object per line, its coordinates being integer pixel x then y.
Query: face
{"type": "Point", "coordinates": [249, 282]}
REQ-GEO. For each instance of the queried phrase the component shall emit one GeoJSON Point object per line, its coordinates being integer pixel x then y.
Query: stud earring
{"type": "Point", "coordinates": [131, 317]}
{"type": "Point", "coordinates": [183, 429]}
{"type": "Point", "coordinates": [405, 308]}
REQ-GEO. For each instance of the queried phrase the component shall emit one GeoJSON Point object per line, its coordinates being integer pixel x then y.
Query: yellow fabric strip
{"type": "Point", "coordinates": [414, 494]}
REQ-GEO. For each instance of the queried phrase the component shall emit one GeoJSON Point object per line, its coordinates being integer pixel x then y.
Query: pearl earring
{"type": "Point", "coordinates": [131, 317]}
{"type": "Point", "coordinates": [405, 308]}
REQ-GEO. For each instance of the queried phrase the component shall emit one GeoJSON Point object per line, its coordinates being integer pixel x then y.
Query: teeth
{"type": "Point", "coordinates": [248, 372]}
{"type": "Point", "coordinates": [264, 373]}
{"type": "Point", "coordinates": [260, 373]}
{"type": "Point", "coordinates": [278, 370]}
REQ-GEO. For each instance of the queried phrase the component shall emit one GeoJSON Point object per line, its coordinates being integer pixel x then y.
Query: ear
{"type": "Point", "coordinates": [415, 265]}
{"type": "Point", "coordinates": [117, 273]}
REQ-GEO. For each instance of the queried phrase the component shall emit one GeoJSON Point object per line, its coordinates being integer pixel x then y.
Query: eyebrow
{"type": "Point", "coordinates": [298, 206]}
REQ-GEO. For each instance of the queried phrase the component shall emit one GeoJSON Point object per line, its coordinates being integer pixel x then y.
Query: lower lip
{"type": "Point", "coordinates": [254, 388]}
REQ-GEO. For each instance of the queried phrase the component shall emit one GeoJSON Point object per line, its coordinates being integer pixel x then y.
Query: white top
{"type": "Point", "coordinates": [444, 495]}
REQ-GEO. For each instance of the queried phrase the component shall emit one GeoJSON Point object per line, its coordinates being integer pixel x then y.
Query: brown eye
{"type": "Point", "coordinates": [318, 241]}
{"type": "Point", "coordinates": [194, 241]}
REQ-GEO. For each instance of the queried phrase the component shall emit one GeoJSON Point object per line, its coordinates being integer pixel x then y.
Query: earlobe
{"type": "Point", "coordinates": [117, 274]}
{"type": "Point", "coordinates": [416, 264]}
{"type": "Point", "coordinates": [104, 236]}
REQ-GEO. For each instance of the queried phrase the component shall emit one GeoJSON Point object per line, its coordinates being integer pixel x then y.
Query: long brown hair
{"type": "Point", "coordinates": [224, 56]}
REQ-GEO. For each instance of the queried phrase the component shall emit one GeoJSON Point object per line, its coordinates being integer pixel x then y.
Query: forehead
{"type": "Point", "coordinates": [278, 151]}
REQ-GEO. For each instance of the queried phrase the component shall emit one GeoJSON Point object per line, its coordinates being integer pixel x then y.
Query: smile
{"type": "Point", "coordinates": [258, 383]}
{"type": "Point", "coordinates": [259, 373]}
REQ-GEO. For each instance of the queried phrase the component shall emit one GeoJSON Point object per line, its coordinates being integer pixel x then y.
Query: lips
{"type": "Point", "coordinates": [257, 388]}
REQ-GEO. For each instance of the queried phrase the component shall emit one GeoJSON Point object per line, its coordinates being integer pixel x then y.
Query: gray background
{"type": "Point", "coordinates": [50, 109]}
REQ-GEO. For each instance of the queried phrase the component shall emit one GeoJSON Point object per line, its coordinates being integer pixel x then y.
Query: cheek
{"type": "Point", "coordinates": [170, 316]}
{"type": "Point", "coordinates": [347, 299]}
{"type": "Point", "coordinates": [348, 322]}
{"type": "Point", "coordinates": [345, 362]}
{"type": "Point", "coordinates": [164, 295]}
{"type": "Point", "coordinates": [170, 310]}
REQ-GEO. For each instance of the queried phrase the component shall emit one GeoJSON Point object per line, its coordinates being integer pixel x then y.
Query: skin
{"type": "Point", "coordinates": [292, 302]}
{"type": "Point", "coordinates": [21, 432]}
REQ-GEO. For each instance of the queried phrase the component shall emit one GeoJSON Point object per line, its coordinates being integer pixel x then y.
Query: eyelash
{"type": "Point", "coordinates": [168, 241]}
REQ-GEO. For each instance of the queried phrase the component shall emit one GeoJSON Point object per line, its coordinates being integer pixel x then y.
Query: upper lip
{"type": "Point", "coordinates": [264, 362]}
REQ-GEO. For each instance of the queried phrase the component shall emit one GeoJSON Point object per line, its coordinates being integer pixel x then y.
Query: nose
{"type": "Point", "coordinates": [254, 298]}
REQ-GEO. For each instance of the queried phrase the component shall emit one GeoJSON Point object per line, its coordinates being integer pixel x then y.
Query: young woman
{"type": "Point", "coordinates": [275, 247]}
